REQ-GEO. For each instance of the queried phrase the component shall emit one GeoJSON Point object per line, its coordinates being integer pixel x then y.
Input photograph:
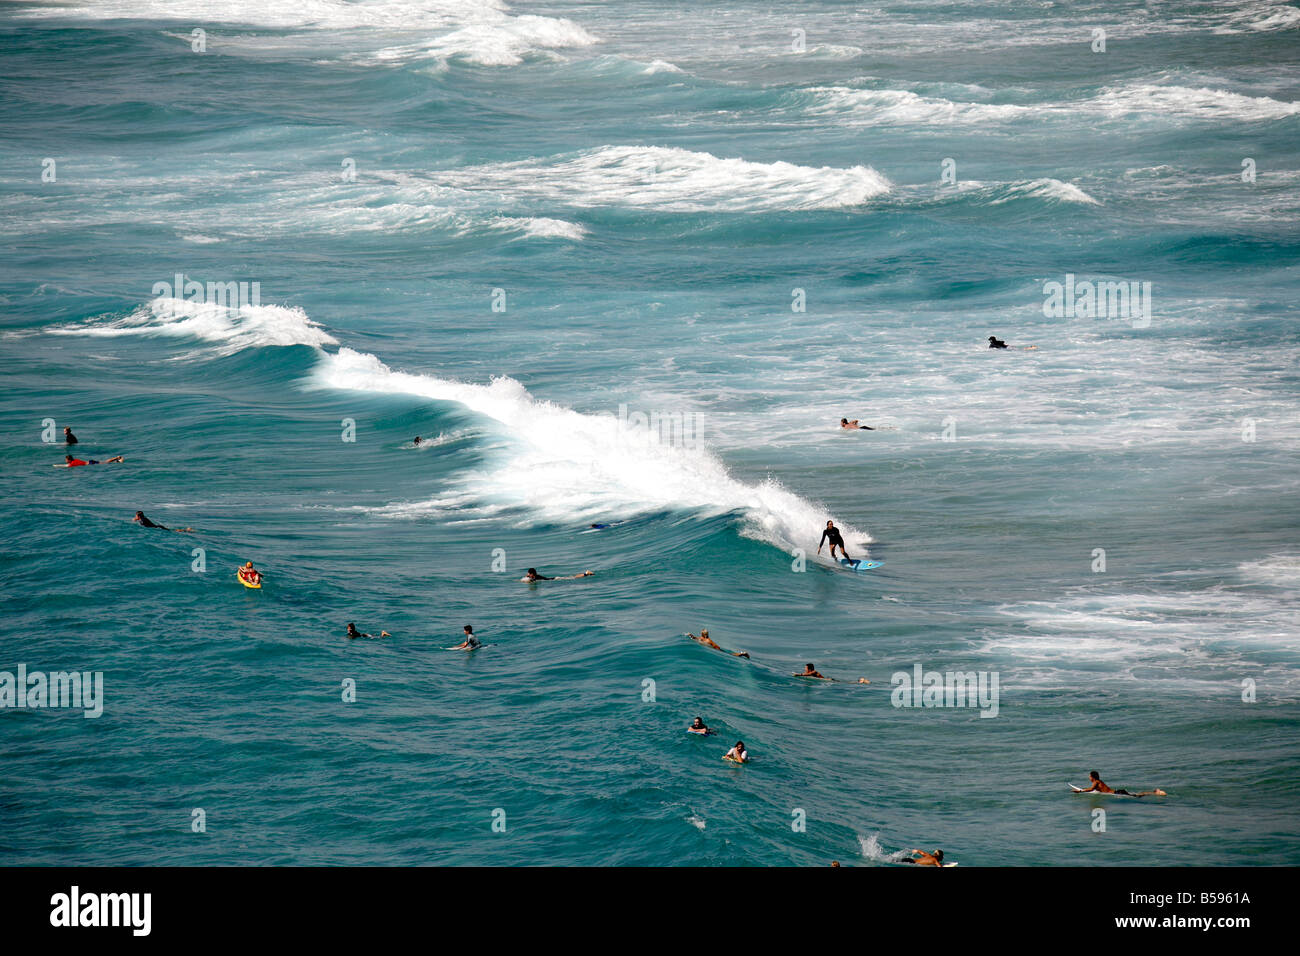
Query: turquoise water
{"type": "Point", "coordinates": [648, 185]}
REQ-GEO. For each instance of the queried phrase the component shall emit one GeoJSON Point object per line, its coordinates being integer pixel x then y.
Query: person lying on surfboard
{"type": "Point", "coordinates": [70, 462]}
{"type": "Point", "coordinates": [353, 633]}
{"type": "Point", "coordinates": [144, 522]}
{"type": "Point", "coordinates": [1098, 787]}
{"type": "Point", "coordinates": [698, 727]}
{"type": "Point", "coordinates": [737, 753]}
{"type": "Point", "coordinates": [845, 423]}
{"type": "Point", "coordinates": [470, 643]}
{"type": "Point", "coordinates": [833, 535]}
{"type": "Point", "coordinates": [532, 576]}
{"type": "Point", "coordinates": [810, 671]}
{"type": "Point", "coordinates": [926, 859]}
{"type": "Point", "coordinates": [250, 573]}
{"type": "Point", "coordinates": [709, 642]}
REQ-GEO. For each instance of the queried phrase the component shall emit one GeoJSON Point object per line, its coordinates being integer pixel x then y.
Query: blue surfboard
{"type": "Point", "coordinates": [858, 564]}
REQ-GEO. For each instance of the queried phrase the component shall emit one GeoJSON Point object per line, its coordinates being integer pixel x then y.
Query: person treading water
{"type": "Point", "coordinates": [532, 576]}
{"type": "Point", "coordinates": [832, 534]}
{"type": "Point", "coordinates": [698, 727]}
{"type": "Point", "coordinates": [1098, 787]}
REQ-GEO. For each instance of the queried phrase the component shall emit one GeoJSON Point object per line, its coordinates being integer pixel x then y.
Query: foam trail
{"type": "Point", "coordinates": [567, 466]}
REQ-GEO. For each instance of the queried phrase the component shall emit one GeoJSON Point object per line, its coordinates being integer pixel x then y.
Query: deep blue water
{"type": "Point", "coordinates": [647, 186]}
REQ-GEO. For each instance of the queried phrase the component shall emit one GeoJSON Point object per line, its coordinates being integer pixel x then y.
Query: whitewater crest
{"type": "Point", "coordinates": [674, 179]}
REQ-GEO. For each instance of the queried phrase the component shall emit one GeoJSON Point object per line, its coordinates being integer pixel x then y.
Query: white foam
{"type": "Point", "coordinates": [904, 107]}
{"type": "Point", "coordinates": [565, 466]}
{"type": "Point", "coordinates": [674, 179]}
{"type": "Point", "coordinates": [230, 328]}
{"type": "Point", "coordinates": [542, 228]}
{"type": "Point", "coordinates": [1045, 189]}
{"type": "Point", "coordinates": [662, 66]}
{"type": "Point", "coordinates": [1279, 570]}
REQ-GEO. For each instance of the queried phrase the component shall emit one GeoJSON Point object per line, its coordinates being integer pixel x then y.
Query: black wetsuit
{"type": "Point", "coordinates": [145, 522]}
{"type": "Point", "coordinates": [833, 534]}
{"type": "Point", "coordinates": [69, 438]}
{"type": "Point", "coordinates": [997, 344]}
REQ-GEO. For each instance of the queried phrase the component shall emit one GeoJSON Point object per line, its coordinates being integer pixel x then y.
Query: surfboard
{"type": "Point", "coordinates": [859, 564]}
{"type": "Point", "coordinates": [256, 587]}
{"type": "Point", "coordinates": [700, 733]}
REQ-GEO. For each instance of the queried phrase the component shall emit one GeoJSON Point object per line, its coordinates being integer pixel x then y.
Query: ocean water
{"type": "Point", "coordinates": [523, 229]}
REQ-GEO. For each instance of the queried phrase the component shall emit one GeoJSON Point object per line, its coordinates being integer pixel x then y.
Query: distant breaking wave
{"type": "Point", "coordinates": [674, 179]}
{"type": "Point", "coordinates": [560, 464]}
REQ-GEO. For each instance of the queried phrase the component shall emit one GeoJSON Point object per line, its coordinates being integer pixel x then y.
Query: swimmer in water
{"type": "Point", "coordinates": [250, 574]}
{"type": "Point", "coordinates": [144, 522]}
{"type": "Point", "coordinates": [698, 727]}
{"type": "Point", "coordinates": [863, 680]}
{"type": "Point", "coordinates": [737, 753]}
{"type": "Point", "coordinates": [470, 643]}
{"type": "Point", "coordinates": [845, 423]}
{"type": "Point", "coordinates": [70, 462]}
{"type": "Point", "coordinates": [709, 642]}
{"type": "Point", "coordinates": [832, 534]}
{"type": "Point", "coordinates": [925, 859]}
{"type": "Point", "coordinates": [68, 437]}
{"type": "Point", "coordinates": [810, 671]}
{"type": "Point", "coordinates": [1098, 787]}
{"type": "Point", "coordinates": [532, 576]}
{"type": "Point", "coordinates": [353, 633]}
{"type": "Point", "coordinates": [996, 343]}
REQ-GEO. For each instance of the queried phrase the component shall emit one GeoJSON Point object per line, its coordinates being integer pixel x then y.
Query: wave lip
{"type": "Point", "coordinates": [678, 180]}
{"type": "Point", "coordinates": [231, 328]}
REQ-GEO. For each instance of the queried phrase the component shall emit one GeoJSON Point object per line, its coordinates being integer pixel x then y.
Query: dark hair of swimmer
{"type": "Point", "coordinates": [532, 570]}
{"type": "Point", "coordinates": [740, 745]}
{"type": "Point", "coordinates": [67, 458]}
{"type": "Point", "coordinates": [1094, 775]}
{"type": "Point", "coordinates": [468, 629]}
{"type": "Point", "coordinates": [938, 855]}
{"type": "Point", "coordinates": [809, 666]}
{"type": "Point", "coordinates": [139, 514]}
{"type": "Point", "coordinates": [844, 421]}
{"type": "Point", "coordinates": [830, 523]}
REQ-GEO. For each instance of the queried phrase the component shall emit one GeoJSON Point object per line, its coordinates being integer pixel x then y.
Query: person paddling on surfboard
{"type": "Point", "coordinates": [470, 643]}
{"type": "Point", "coordinates": [926, 859]}
{"type": "Point", "coordinates": [738, 753]}
{"type": "Point", "coordinates": [709, 642]}
{"type": "Point", "coordinates": [1098, 787]}
{"type": "Point", "coordinates": [832, 534]}
{"type": "Point", "coordinates": [532, 576]}
{"type": "Point", "coordinates": [845, 423]}
{"type": "Point", "coordinates": [810, 671]}
{"type": "Point", "coordinates": [353, 633]}
{"type": "Point", "coordinates": [144, 522]}
{"type": "Point", "coordinates": [70, 462]}
{"type": "Point", "coordinates": [698, 727]}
